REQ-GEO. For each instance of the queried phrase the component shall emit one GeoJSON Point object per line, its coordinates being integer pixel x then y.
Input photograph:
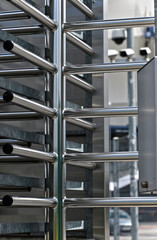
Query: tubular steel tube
{"type": "Point", "coordinates": [80, 83]}
{"type": "Point", "coordinates": [83, 8]}
{"type": "Point", "coordinates": [13, 15]}
{"type": "Point", "coordinates": [100, 112]}
{"type": "Point", "coordinates": [109, 24]}
{"type": "Point", "coordinates": [16, 159]}
{"type": "Point", "coordinates": [79, 43]}
{"type": "Point", "coordinates": [36, 29]}
{"type": "Point", "coordinates": [19, 116]}
{"type": "Point", "coordinates": [31, 57]}
{"type": "Point", "coordinates": [8, 200]}
{"type": "Point", "coordinates": [102, 68]}
{"type": "Point", "coordinates": [81, 123]}
{"type": "Point", "coordinates": [101, 157]}
{"type": "Point", "coordinates": [28, 152]}
{"type": "Point", "coordinates": [22, 143]}
{"type": "Point", "coordinates": [29, 104]}
{"type": "Point", "coordinates": [9, 58]}
{"type": "Point", "coordinates": [20, 72]}
{"type": "Point", "coordinates": [35, 13]}
{"type": "Point", "coordinates": [110, 202]}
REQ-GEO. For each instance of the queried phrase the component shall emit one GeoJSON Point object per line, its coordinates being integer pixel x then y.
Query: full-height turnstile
{"type": "Point", "coordinates": [54, 119]}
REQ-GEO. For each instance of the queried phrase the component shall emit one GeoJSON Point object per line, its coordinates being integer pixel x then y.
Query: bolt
{"type": "Point", "coordinates": [144, 184]}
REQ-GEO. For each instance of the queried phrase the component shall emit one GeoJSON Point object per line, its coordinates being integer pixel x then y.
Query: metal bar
{"type": "Point", "coordinates": [22, 143]}
{"type": "Point", "coordinates": [28, 202]}
{"type": "Point", "coordinates": [18, 116]}
{"type": "Point", "coordinates": [102, 68]}
{"type": "Point", "coordinates": [20, 181]}
{"type": "Point", "coordinates": [4, 36]}
{"type": "Point", "coordinates": [13, 15]}
{"type": "Point", "coordinates": [25, 30]}
{"type": "Point", "coordinates": [16, 159]}
{"type": "Point", "coordinates": [83, 8]}
{"type": "Point", "coordinates": [110, 202]}
{"type": "Point", "coordinates": [79, 43]}
{"type": "Point", "coordinates": [101, 157]}
{"type": "Point", "coordinates": [109, 24]}
{"type": "Point", "coordinates": [91, 166]}
{"type": "Point", "coordinates": [29, 104]}
{"type": "Point", "coordinates": [21, 72]}
{"type": "Point", "coordinates": [15, 133]}
{"type": "Point", "coordinates": [19, 88]}
{"type": "Point", "coordinates": [31, 57]}
{"type": "Point", "coordinates": [28, 152]}
{"type": "Point", "coordinates": [19, 228]}
{"type": "Point", "coordinates": [80, 83]}
{"type": "Point", "coordinates": [35, 13]}
{"type": "Point", "coordinates": [100, 112]}
{"type": "Point", "coordinates": [81, 123]}
{"type": "Point", "coordinates": [5, 58]}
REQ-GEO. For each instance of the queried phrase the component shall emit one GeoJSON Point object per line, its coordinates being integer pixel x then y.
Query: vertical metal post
{"type": "Point", "coordinates": [155, 14]}
{"type": "Point", "coordinates": [106, 126]}
{"type": "Point", "coordinates": [132, 142]}
{"type": "Point", "coordinates": [116, 189]}
{"type": "Point", "coordinates": [50, 171]}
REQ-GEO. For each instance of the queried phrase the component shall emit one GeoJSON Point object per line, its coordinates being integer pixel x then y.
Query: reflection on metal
{"type": "Point", "coordinates": [109, 24]}
{"type": "Point", "coordinates": [28, 152]}
{"type": "Point", "coordinates": [16, 87]}
{"type": "Point", "coordinates": [81, 123]}
{"type": "Point", "coordinates": [16, 159]}
{"type": "Point", "coordinates": [35, 13]}
{"type": "Point", "coordinates": [31, 57]}
{"type": "Point", "coordinates": [79, 43]}
{"type": "Point", "coordinates": [21, 72]}
{"type": "Point", "coordinates": [5, 58]}
{"type": "Point", "coordinates": [29, 202]}
{"type": "Point", "coordinates": [14, 133]}
{"type": "Point", "coordinates": [19, 181]}
{"type": "Point", "coordinates": [101, 157]}
{"type": "Point", "coordinates": [110, 202]}
{"type": "Point", "coordinates": [108, 67]}
{"type": "Point", "coordinates": [18, 116]}
{"type": "Point", "coordinates": [22, 143]}
{"type": "Point", "coordinates": [25, 30]}
{"type": "Point", "coordinates": [100, 112]}
{"type": "Point", "coordinates": [13, 15]}
{"type": "Point", "coordinates": [83, 8]}
{"type": "Point", "coordinates": [87, 165]}
{"type": "Point", "coordinates": [18, 228]}
{"type": "Point", "coordinates": [10, 97]}
{"type": "Point", "coordinates": [80, 83]}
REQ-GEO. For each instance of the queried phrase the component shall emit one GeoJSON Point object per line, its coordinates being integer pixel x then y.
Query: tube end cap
{"type": "Point", "coordinates": [7, 148]}
{"type": "Point", "coordinates": [7, 200]}
{"type": "Point", "coordinates": [8, 45]}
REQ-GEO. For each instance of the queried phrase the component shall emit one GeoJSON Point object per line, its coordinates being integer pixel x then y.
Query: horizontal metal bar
{"type": "Point", "coordinates": [31, 72]}
{"type": "Point", "coordinates": [29, 56]}
{"type": "Point", "coordinates": [79, 43]}
{"type": "Point", "coordinates": [4, 36]}
{"type": "Point", "coordinates": [102, 68]}
{"type": "Point", "coordinates": [91, 166]}
{"type": "Point", "coordinates": [20, 181]}
{"type": "Point", "coordinates": [101, 157]}
{"type": "Point", "coordinates": [80, 83]}
{"type": "Point", "coordinates": [35, 13]}
{"type": "Point", "coordinates": [13, 15]}
{"type": "Point", "coordinates": [81, 123]}
{"type": "Point", "coordinates": [83, 8]}
{"type": "Point", "coordinates": [19, 228]}
{"type": "Point", "coordinates": [22, 143]}
{"type": "Point", "coordinates": [10, 97]}
{"type": "Point", "coordinates": [110, 202]}
{"type": "Point", "coordinates": [5, 188]}
{"type": "Point", "coordinates": [28, 152]}
{"type": "Point", "coordinates": [16, 159]}
{"type": "Point", "coordinates": [5, 58]}
{"type": "Point", "coordinates": [15, 133]}
{"type": "Point", "coordinates": [25, 30]}
{"type": "Point", "coordinates": [19, 88]}
{"type": "Point", "coordinates": [100, 112]}
{"type": "Point", "coordinates": [109, 24]}
{"type": "Point", "coordinates": [29, 202]}
{"type": "Point", "coordinates": [18, 116]}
